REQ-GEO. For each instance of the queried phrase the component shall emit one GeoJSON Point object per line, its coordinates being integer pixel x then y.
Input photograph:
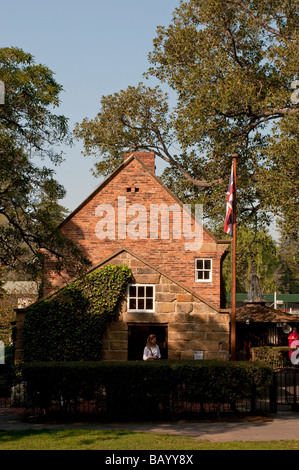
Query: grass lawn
{"type": "Point", "coordinates": [82, 439]}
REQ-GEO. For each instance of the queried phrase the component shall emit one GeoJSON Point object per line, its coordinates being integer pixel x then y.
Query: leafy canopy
{"type": "Point", "coordinates": [29, 194]}
{"type": "Point", "coordinates": [231, 64]}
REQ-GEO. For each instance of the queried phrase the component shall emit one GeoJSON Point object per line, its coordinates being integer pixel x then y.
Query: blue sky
{"type": "Point", "coordinates": [95, 48]}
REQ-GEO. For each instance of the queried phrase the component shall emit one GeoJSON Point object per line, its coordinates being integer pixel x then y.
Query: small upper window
{"type": "Point", "coordinates": [132, 190]}
{"type": "Point", "coordinates": [203, 269]}
{"type": "Point", "coordinates": [141, 298]}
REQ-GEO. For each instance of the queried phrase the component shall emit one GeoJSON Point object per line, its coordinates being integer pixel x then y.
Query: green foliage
{"type": "Point", "coordinates": [275, 356]}
{"type": "Point", "coordinates": [137, 389]}
{"type": "Point", "coordinates": [279, 178]}
{"type": "Point", "coordinates": [127, 118]}
{"type": "Point", "coordinates": [253, 247]}
{"type": "Point", "coordinates": [30, 131]}
{"type": "Point", "coordinates": [69, 326]}
{"type": "Point", "coordinates": [31, 93]}
{"type": "Point", "coordinates": [7, 315]}
{"type": "Point", "coordinates": [288, 272]}
{"type": "Point", "coordinates": [230, 65]}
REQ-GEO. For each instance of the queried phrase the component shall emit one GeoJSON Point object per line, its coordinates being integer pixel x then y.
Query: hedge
{"type": "Point", "coordinates": [277, 356]}
{"type": "Point", "coordinates": [136, 390]}
{"type": "Point", "coordinates": [69, 326]}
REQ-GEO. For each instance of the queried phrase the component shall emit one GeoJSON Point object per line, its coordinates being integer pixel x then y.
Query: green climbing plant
{"type": "Point", "coordinates": [69, 326]}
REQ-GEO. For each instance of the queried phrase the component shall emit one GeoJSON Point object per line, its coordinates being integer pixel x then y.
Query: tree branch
{"type": "Point", "coordinates": [230, 36]}
{"type": "Point", "coordinates": [167, 157]}
{"type": "Point", "coordinates": [274, 113]}
{"type": "Point", "coordinates": [257, 20]}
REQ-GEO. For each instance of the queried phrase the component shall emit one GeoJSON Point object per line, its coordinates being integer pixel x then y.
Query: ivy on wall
{"type": "Point", "coordinates": [69, 325]}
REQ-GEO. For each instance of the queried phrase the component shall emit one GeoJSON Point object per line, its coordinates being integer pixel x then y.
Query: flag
{"type": "Point", "coordinates": [228, 224]}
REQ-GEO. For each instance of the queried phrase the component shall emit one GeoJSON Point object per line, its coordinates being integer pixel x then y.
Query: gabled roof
{"type": "Point", "coordinates": [158, 180]}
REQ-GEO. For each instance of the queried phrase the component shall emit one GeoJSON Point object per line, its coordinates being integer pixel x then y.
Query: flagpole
{"type": "Point", "coordinates": [234, 250]}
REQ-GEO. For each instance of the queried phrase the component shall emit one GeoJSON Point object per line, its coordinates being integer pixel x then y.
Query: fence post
{"type": "Point", "coordinates": [2, 353]}
{"type": "Point", "coordinates": [295, 373]}
{"type": "Point", "coordinates": [272, 394]}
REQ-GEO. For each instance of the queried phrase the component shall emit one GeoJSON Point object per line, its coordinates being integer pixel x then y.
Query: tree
{"type": "Point", "coordinates": [231, 64]}
{"type": "Point", "coordinates": [7, 315]}
{"type": "Point", "coordinates": [29, 194]}
{"type": "Point", "coordinates": [136, 118]}
{"type": "Point", "coordinates": [253, 246]}
{"type": "Point", "coordinates": [288, 271]}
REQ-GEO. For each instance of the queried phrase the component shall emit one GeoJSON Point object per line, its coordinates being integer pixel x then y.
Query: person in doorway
{"type": "Point", "coordinates": [151, 350]}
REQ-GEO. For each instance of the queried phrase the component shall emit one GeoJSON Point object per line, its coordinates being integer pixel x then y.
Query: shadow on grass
{"type": "Point", "coordinates": [64, 438]}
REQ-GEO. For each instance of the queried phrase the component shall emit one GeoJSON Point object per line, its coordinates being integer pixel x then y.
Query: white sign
{"type": "Point", "coordinates": [198, 355]}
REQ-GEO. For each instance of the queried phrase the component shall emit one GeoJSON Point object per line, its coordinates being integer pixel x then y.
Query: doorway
{"type": "Point", "coordinates": [138, 334]}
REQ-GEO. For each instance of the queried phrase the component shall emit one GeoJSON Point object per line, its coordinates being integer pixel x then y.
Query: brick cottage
{"type": "Point", "coordinates": [177, 273]}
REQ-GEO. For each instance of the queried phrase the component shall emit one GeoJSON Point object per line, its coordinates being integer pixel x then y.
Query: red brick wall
{"type": "Point", "coordinates": [169, 256]}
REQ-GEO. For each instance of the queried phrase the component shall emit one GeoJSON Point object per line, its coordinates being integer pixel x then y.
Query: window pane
{"type": "Point", "coordinates": [207, 264]}
{"type": "Point", "coordinates": [141, 297]}
{"type": "Point", "coordinates": [132, 291]}
{"type": "Point", "coordinates": [199, 264]}
{"type": "Point", "coordinates": [141, 291]}
{"type": "Point", "coordinates": [206, 274]}
{"type": "Point", "coordinates": [200, 275]}
{"type": "Point", "coordinates": [149, 291]}
{"type": "Point", "coordinates": [149, 304]}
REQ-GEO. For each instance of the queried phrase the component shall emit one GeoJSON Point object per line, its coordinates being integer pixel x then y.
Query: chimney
{"type": "Point", "coordinates": [148, 158]}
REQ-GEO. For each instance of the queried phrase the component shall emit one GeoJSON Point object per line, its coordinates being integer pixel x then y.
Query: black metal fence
{"type": "Point", "coordinates": [286, 388]}
{"type": "Point", "coordinates": [283, 394]}
{"type": "Point", "coordinates": [4, 386]}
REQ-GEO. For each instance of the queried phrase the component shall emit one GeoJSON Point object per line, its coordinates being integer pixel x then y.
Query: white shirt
{"type": "Point", "coordinates": [151, 352]}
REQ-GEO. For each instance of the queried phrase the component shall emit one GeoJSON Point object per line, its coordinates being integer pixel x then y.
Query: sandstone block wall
{"type": "Point", "coordinates": [192, 324]}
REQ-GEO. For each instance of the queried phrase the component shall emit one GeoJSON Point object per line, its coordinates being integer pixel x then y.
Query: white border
{"type": "Point", "coordinates": [196, 270]}
{"type": "Point", "coordinates": [141, 310]}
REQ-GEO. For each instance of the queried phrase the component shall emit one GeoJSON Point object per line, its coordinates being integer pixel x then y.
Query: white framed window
{"type": "Point", "coordinates": [203, 270]}
{"type": "Point", "coordinates": [141, 298]}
